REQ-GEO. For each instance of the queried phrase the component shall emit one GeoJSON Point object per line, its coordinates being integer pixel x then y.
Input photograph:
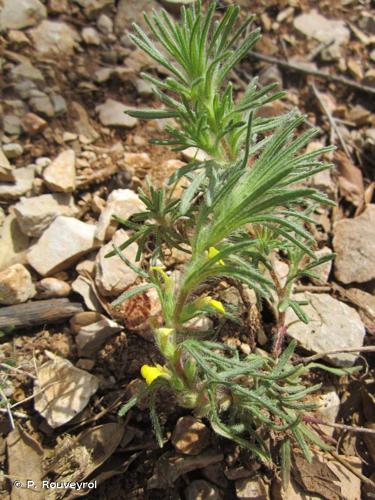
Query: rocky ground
{"type": "Point", "coordinates": [70, 159]}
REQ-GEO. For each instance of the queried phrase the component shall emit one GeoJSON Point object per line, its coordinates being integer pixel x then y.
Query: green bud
{"type": "Point", "coordinates": [166, 342]}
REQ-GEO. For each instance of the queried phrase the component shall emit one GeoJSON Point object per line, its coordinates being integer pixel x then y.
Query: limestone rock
{"type": "Point", "coordinates": [328, 403]}
{"type": "Point", "coordinates": [129, 12]}
{"type": "Point", "coordinates": [62, 390]}
{"type": "Point", "coordinates": [105, 24]}
{"type": "Point", "coordinates": [49, 288]}
{"type": "Point", "coordinates": [82, 123]}
{"type": "Point", "coordinates": [333, 325]}
{"type": "Point", "coordinates": [23, 183]}
{"type": "Point", "coordinates": [6, 169]}
{"type": "Point", "coordinates": [91, 337]}
{"type": "Point", "coordinates": [53, 38]}
{"type": "Point", "coordinates": [16, 285]}
{"type": "Point", "coordinates": [32, 123]}
{"type": "Point", "coordinates": [251, 489]}
{"type": "Point", "coordinates": [35, 214]}
{"type": "Point", "coordinates": [12, 150]}
{"type": "Point", "coordinates": [91, 6]}
{"type": "Point", "coordinates": [12, 125]}
{"type": "Point", "coordinates": [324, 270]}
{"type": "Point", "coordinates": [314, 25]}
{"type": "Point", "coordinates": [121, 202]}
{"type": "Point", "coordinates": [59, 105]}
{"type": "Point", "coordinates": [26, 71]}
{"type": "Point", "coordinates": [60, 175]}
{"type": "Point", "coordinates": [20, 14]}
{"type": "Point", "coordinates": [90, 36]}
{"type": "Point", "coordinates": [61, 244]}
{"type": "Point", "coordinates": [112, 114]}
{"type": "Point", "coordinates": [324, 182]}
{"type": "Point", "coordinates": [84, 286]}
{"type": "Point", "coordinates": [83, 319]}
{"type": "Point", "coordinates": [13, 243]}
{"type": "Point", "coordinates": [354, 244]}
{"type": "Point", "coordinates": [42, 105]}
{"type": "Point", "coordinates": [113, 276]}
{"type": "Point", "coordinates": [190, 436]}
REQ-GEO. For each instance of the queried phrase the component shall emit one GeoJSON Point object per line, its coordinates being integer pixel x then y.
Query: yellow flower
{"type": "Point", "coordinates": [212, 252]}
{"type": "Point", "coordinates": [209, 301]}
{"type": "Point", "coordinates": [162, 273]}
{"type": "Point", "coordinates": [151, 373]}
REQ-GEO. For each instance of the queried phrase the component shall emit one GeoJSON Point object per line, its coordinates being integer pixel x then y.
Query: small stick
{"type": "Point", "coordinates": [17, 414]}
{"type": "Point", "coordinates": [18, 370]}
{"type": "Point", "coordinates": [8, 409]}
{"type": "Point", "coordinates": [317, 73]}
{"type": "Point", "coordinates": [370, 348]}
{"type": "Point", "coordinates": [352, 469]}
{"type": "Point", "coordinates": [349, 428]}
{"type": "Point", "coordinates": [314, 53]}
{"type": "Point", "coordinates": [330, 119]}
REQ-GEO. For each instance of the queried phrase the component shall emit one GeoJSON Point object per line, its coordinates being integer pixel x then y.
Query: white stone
{"type": "Point", "coordinates": [19, 14]}
{"type": "Point", "coordinates": [13, 243]}
{"type": "Point", "coordinates": [84, 286]}
{"type": "Point", "coordinates": [35, 214]}
{"type": "Point", "coordinates": [12, 150]}
{"type": "Point", "coordinates": [323, 181]}
{"type": "Point", "coordinates": [251, 489]}
{"type": "Point", "coordinates": [90, 36]}
{"type": "Point", "coordinates": [354, 244]}
{"type": "Point", "coordinates": [90, 338]}
{"type": "Point", "coordinates": [121, 202]}
{"type": "Point", "coordinates": [52, 38]}
{"type": "Point", "coordinates": [105, 24]}
{"type": "Point", "coordinates": [61, 244]}
{"type": "Point", "coordinates": [62, 390]}
{"type": "Point", "coordinates": [328, 403]}
{"type": "Point", "coordinates": [91, 6]}
{"type": "Point", "coordinates": [333, 325]}
{"type": "Point", "coordinates": [324, 270]}
{"type": "Point", "coordinates": [314, 25]}
{"type": "Point", "coordinates": [49, 288]}
{"type": "Point", "coordinates": [194, 154]}
{"type": "Point", "coordinates": [24, 182]}
{"type": "Point", "coordinates": [112, 114]}
{"type": "Point", "coordinates": [113, 276]}
{"type": "Point", "coordinates": [26, 71]}
{"type": "Point", "coordinates": [16, 285]}
{"type": "Point", "coordinates": [60, 175]}
{"type": "Point", "coordinates": [69, 136]}
{"type": "Point", "coordinates": [6, 169]}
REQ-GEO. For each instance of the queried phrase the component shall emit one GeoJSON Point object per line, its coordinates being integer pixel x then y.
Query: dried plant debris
{"type": "Point", "coordinates": [25, 462]}
{"type": "Point", "coordinates": [76, 458]}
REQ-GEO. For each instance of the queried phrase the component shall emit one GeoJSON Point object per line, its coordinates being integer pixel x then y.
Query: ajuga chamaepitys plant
{"type": "Point", "coordinates": [242, 205]}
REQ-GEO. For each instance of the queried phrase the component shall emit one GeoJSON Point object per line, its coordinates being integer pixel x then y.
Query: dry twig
{"type": "Point", "coordinates": [331, 120]}
{"type": "Point", "coordinates": [317, 73]}
{"type": "Point", "coordinates": [314, 357]}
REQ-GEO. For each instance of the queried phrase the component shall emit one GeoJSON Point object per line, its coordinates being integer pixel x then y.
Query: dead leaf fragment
{"type": "Point", "coordinates": [76, 458]}
{"type": "Point", "coordinates": [171, 466]}
{"type": "Point", "coordinates": [24, 462]}
{"type": "Point", "coordinates": [62, 390]}
{"type": "Point", "coordinates": [350, 179]}
{"type": "Point", "coordinates": [328, 478]}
